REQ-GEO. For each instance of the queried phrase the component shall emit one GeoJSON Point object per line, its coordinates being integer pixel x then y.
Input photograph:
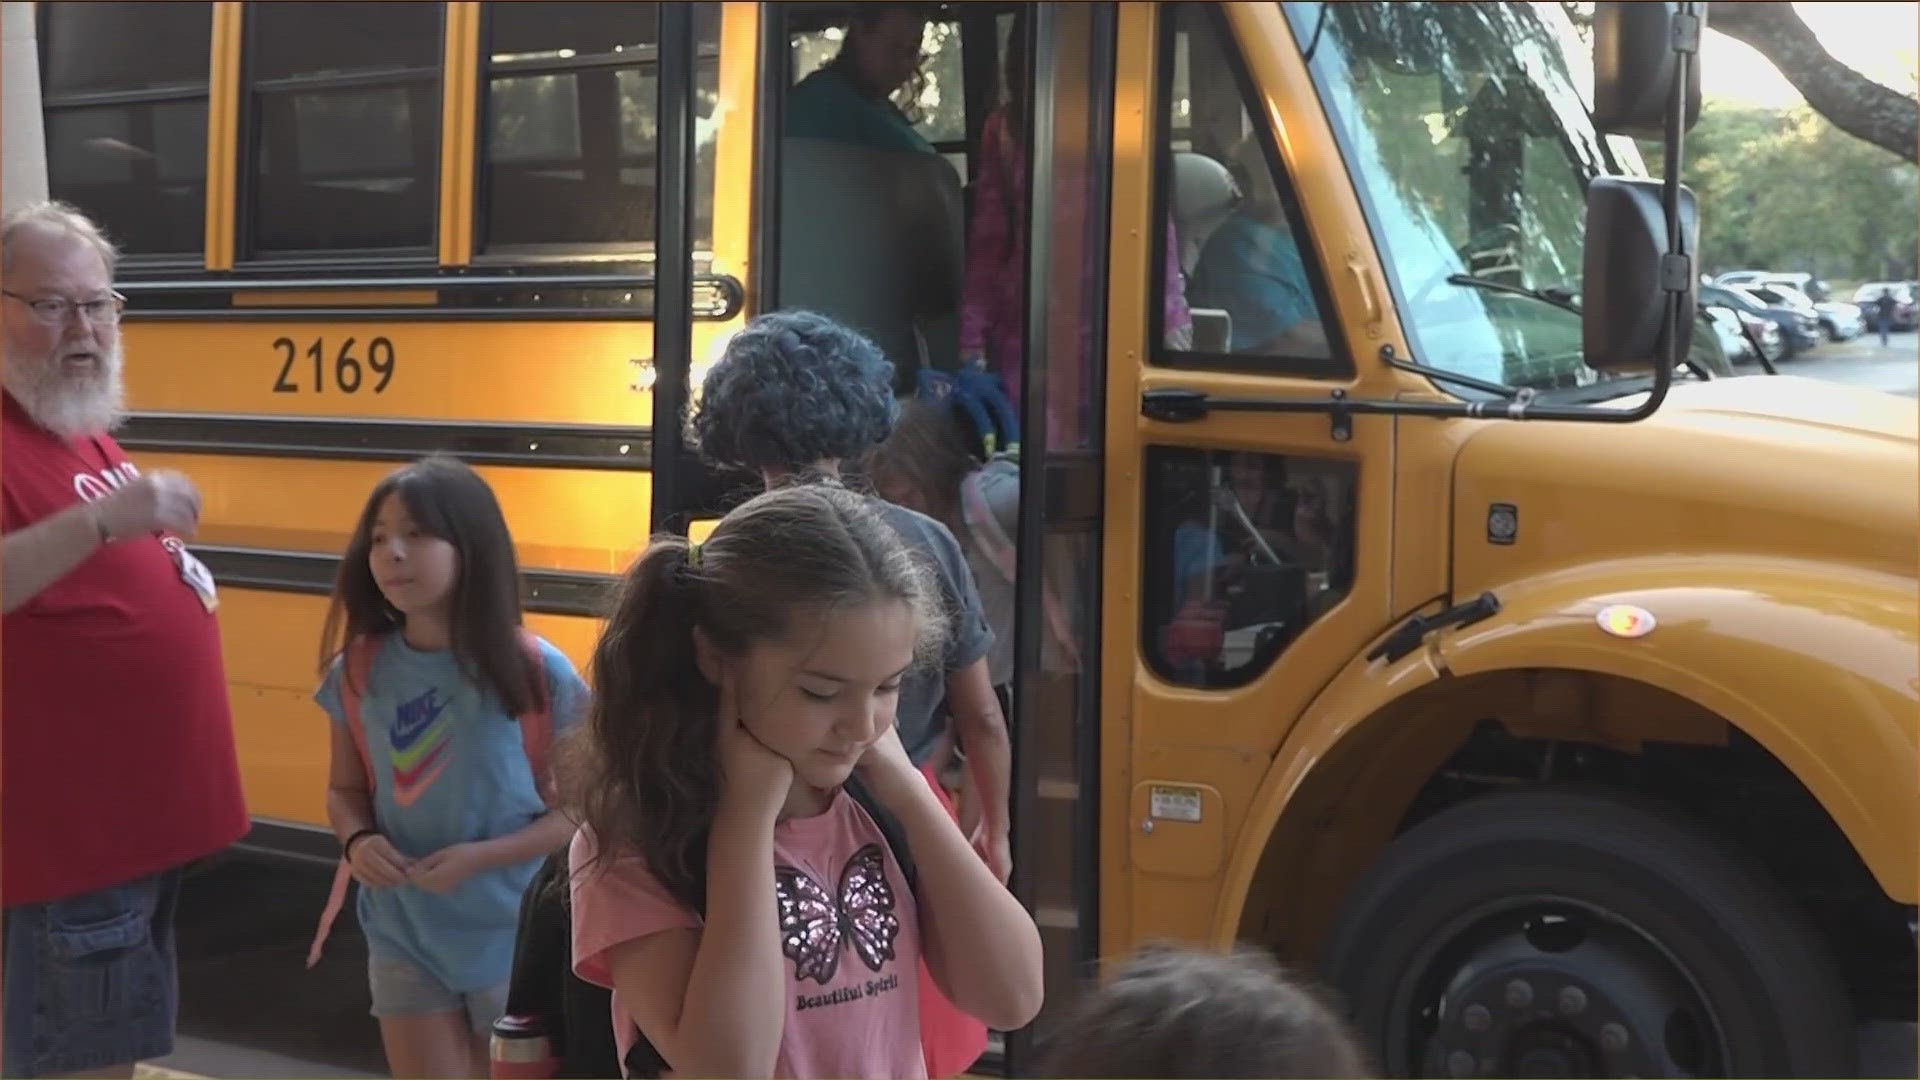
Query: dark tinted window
{"type": "Point", "coordinates": [1244, 551]}
{"type": "Point", "coordinates": [344, 121]}
{"type": "Point", "coordinates": [113, 46]}
{"type": "Point", "coordinates": [290, 38]}
{"type": "Point", "coordinates": [126, 119]}
{"type": "Point", "coordinates": [570, 128]}
{"type": "Point", "coordinates": [555, 31]}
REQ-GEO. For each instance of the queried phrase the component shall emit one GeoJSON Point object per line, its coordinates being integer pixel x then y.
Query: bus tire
{"type": "Point", "coordinates": [1583, 933]}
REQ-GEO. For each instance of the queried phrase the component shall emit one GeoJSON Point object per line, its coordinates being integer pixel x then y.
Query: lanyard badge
{"type": "Point", "coordinates": [193, 572]}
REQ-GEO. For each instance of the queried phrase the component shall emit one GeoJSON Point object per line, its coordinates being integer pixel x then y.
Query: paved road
{"type": "Point", "coordinates": [1862, 362]}
{"type": "Point", "coordinates": [248, 1005]}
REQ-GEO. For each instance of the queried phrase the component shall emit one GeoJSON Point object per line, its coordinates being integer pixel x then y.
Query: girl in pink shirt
{"type": "Point", "coordinates": [750, 916]}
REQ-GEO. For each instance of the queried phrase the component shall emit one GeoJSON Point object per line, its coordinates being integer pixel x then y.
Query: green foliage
{"type": "Point", "coordinates": [1785, 190]}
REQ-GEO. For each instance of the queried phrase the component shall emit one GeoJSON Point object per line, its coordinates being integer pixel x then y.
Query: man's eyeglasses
{"type": "Point", "coordinates": [54, 310]}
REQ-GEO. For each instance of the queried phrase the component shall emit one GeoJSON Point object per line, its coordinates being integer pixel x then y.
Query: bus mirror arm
{"type": "Point", "coordinates": [1415, 630]}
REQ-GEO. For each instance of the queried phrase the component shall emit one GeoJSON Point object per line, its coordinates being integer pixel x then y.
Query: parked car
{"type": "Point", "coordinates": [1841, 322]}
{"type": "Point", "coordinates": [1799, 331]}
{"type": "Point", "coordinates": [1733, 342]}
{"type": "Point", "coordinates": [1753, 328]}
{"type": "Point", "coordinates": [1813, 287]}
{"type": "Point", "coordinates": [1905, 311]}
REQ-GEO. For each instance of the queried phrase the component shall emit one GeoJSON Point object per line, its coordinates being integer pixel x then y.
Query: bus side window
{"type": "Point", "coordinates": [570, 125]}
{"type": "Point", "coordinates": [343, 123]}
{"type": "Point", "coordinates": [1244, 551]}
{"type": "Point", "coordinates": [1247, 274]}
{"type": "Point", "coordinates": [125, 103]}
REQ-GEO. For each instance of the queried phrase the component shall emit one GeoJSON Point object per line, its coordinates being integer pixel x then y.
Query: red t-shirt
{"type": "Point", "coordinates": [116, 740]}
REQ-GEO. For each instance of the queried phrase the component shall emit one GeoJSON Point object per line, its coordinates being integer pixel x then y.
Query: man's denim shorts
{"type": "Point", "coordinates": [91, 980]}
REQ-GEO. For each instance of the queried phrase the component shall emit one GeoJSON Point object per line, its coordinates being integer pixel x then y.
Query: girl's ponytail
{"type": "Point", "coordinates": [651, 726]}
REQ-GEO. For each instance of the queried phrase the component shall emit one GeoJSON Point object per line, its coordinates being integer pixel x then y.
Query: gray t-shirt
{"type": "Point", "coordinates": [999, 486]}
{"type": "Point", "coordinates": [922, 693]}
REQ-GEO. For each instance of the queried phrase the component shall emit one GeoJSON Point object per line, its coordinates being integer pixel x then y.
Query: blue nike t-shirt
{"type": "Point", "coordinates": [449, 768]}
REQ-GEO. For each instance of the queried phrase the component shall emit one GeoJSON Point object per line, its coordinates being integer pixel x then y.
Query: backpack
{"type": "Point", "coordinates": [536, 738]}
{"type": "Point", "coordinates": [984, 529]}
{"type": "Point", "coordinates": [576, 1014]}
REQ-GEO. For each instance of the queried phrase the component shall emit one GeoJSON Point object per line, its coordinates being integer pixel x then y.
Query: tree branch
{"type": "Point", "coordinates": [1854, 103]}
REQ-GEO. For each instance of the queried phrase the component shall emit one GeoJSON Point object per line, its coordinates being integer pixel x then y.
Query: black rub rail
{"type": "Point", "coordinates": [573, 446]}
{"type": "Point", "coordinates": [549, 592]}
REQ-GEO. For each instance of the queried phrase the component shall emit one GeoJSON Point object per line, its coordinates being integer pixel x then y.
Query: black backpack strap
{"type": "Point", "coordinates": [576, 1012]}
{"type": "Point", "coordinates": [542, 936]}
{"type": "Point", "coordinates": [890, 828]}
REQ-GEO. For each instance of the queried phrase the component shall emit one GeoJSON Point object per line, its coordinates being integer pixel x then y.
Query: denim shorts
{"type": "Point", "coordinates": [92, 980]}
{"type": "Point", "coordinates": [402, 988]}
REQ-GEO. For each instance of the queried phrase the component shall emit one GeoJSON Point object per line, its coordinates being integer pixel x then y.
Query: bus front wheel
{"type": "Point", "coordinates": [1565, 932]}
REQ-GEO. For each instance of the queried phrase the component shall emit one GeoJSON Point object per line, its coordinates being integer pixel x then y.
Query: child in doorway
{"type": "Point", "coordinates": [1170, 1013]}
{"type": "Point", "coordinates": [735, 881]}
{"type": "Point", "coordinates": [444, 815]}
{"type": "Point", "coordinates": [936, 463]}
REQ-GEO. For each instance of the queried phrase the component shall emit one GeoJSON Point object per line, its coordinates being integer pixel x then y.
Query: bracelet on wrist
{"type": "Point", "coordinates": [346, 847]}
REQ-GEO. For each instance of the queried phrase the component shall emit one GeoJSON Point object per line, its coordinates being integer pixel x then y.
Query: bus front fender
{"type": "Point", "coordinates": [1818, 665]}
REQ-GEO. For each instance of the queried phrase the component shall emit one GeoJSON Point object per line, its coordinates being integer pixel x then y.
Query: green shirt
{"type": "Point", "coordinates": [826, 105]}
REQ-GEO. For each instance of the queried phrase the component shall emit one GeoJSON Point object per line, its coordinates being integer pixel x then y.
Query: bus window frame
{"type": "Point", "coordinates": [550, 253]}
{"type": "Point", "coordinates": [1338, 364]}
{"type": "Point", "coordinates": [247, 258]}
{"type": "Point", "coordinates": [163, 264]}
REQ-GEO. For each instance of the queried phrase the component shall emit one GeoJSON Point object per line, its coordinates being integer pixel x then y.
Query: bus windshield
{"type": "Point", "coordinates": [1467, 131]}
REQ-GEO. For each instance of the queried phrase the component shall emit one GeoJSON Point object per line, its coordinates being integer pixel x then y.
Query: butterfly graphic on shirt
{"type": "Point", "coordinates": [816, 927]}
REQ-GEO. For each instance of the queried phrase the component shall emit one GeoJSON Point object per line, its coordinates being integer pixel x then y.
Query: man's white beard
{"type": "Point", "coordinates": [71, 407]}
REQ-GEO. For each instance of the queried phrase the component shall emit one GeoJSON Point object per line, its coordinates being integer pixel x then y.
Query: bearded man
{"type": "Point", "coordinates": [117, 762]}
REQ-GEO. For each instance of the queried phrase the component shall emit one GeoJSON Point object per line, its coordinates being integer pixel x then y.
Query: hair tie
{"type": "Point", "coordinates": [693, 555]}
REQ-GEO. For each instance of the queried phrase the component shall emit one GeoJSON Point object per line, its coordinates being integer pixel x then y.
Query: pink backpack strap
{"type": "Point", "coordinates": [360, 654]}
{"type": "Point", "coordinates": [536, 726]}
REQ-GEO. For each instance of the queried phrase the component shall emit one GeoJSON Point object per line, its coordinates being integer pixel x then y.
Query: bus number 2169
{"type": "Point", "coordinates": [350, 372]}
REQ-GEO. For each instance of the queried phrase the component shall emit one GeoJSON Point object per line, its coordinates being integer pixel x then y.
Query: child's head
{"type": "Point", "coordinates": [923, 464]}
{"type": "Point", "coordinates": [1193, 1013]}
{"type": "Point", "coordinates": [809, 601]}
{"type": "Point", "coordinates": [432, 544]}
{"type": "Point", "coordinates": [794, 391]}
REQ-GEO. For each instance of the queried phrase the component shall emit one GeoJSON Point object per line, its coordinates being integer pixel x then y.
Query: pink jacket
{"type": "Point", "coordinates": [990, 315]}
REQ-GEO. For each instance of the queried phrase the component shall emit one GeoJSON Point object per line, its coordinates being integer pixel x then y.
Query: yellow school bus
{"type": "Point", "coordinates": [1549, 741]}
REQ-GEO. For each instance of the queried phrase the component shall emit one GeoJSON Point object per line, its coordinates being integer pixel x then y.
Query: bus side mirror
{"type": "Point", "coordinates": [1634, 65]}
{"type": "Point", "coordinates": [1625, 297]}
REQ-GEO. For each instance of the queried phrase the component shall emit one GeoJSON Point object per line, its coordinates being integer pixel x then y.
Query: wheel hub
{"type": "Point", "coordinates": [1560, 999]}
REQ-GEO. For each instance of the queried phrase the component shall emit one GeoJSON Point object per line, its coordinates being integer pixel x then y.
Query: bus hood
{"type": "Point", "coordinates": [1766, 466]}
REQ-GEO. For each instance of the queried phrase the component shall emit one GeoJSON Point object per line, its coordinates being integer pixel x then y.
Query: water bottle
{"type": "Point", "coordinates": [520, 1050]}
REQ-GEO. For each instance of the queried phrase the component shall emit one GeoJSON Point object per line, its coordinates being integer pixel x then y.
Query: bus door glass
{"type": "Point", "coordinates": [962, 222]}
{"type": "Point", "coordinates": [1067, 129]}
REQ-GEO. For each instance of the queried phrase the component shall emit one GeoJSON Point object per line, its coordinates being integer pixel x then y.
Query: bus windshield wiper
{"type": "Point", "coordinates": [1499, 390]}
{"type": "Point", "coordinates": [1558, 297]}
